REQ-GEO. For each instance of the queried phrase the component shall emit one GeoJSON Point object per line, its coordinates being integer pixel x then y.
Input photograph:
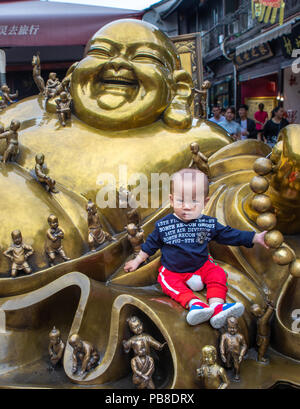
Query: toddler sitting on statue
{"type": "Point", "coordinates": [186, 265]}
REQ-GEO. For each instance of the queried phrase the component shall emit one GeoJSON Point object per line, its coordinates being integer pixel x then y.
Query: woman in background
{"type": "Point", "coordinates": [230, 125]}
{"type": "Point", "coordinates": [274, 126]}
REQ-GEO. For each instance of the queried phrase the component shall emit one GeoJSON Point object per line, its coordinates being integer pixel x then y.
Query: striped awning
{"type": "Point", "coordinates": [276, 32]}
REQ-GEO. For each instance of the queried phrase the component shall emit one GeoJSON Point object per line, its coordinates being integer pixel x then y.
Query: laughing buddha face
{"type": "Point", "coordinates": [130, 76]}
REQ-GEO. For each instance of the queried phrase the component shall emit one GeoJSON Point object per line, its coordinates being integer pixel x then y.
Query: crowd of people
{"type": "Point", "coordinates": [242, 127]}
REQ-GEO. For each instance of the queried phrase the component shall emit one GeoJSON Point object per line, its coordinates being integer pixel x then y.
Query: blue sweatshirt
{"type": "Point", "coordinates": [184, 244]}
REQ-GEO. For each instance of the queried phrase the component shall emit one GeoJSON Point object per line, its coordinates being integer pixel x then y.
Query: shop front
{"type": "Point", "coordinates": [290, 45]}
{"type": "Point", "coordinates": [265, 71]}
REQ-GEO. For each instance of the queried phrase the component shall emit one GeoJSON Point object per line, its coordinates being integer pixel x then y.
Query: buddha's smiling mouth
{"type": "Point", "coordinates": [118, 78]}
{"type": "Point", "coordinates": [116, 88]}
{"type": "Point", "coordinates": [119, 81]}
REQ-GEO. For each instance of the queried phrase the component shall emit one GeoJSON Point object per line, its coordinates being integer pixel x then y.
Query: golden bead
{"type": "Point", "coordinates": [295, 268]}
{"type": "Point", "coordinates": [262, 166]}
{"type": "Point", "coordinates": [261, 203]}
{"type": "Point", "coordinates": [259, 184]}
{"type": "Point", "coordinates": [266, 221]}
{"type": "Point", "coordinates": [274, 239]}
{"type": "Point", "coordinates": [283, 256]}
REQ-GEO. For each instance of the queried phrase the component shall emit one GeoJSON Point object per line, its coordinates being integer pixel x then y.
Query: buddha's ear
{"type": "Point", "coordinates": [178, 114]}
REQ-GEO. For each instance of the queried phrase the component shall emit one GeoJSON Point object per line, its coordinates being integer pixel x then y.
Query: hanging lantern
{"type": "Point", "coordinates": [267, 10]}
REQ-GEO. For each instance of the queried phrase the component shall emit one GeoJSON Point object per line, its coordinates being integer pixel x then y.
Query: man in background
{"type": "Point", "coordinates": [248, 127]}
{"type": "Point", "coordinates": [217, 117]}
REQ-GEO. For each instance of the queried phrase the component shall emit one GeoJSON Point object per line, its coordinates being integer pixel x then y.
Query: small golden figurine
{"type": "Point", "coordinates": [44, 179]}
{"type": "Point", "coordinates": [203, 98]}
{"type": "Point", "coordinates": [63, 108]}
{"type": "Point", "coordinates": [136, 326]}
{"type": "Point", "coordinates": [263, 328]}
{"type": "Point", "coordinates": [233, 346]}
{"type": "Point", "coordinates": [96, 234]}
{"type": "Point", "coordinates": [36, 73]}
{"type": "Point", "coordinates": [199, 160]}
{"type": "Point", "coordinates": [18, 253]}
{"type": "Point", "coordinates": [212, 375]}
{"type": "Point", "coordinates": [84, 353]}
{"type": "Point", "coordinates": [56, 347]}
{"type": "Point", "coordinates": [53, 241]}
{"type": "Point", "coordinates": [7, 96]}
{"type": "Point", "coordinates": [52, 86]}
{"type": "Point", "coordinates": [135, 236]}
{"type": "Point", "coordinates": [142, 366]}
{"type": "Point", "coordinates": [12, 143]}
{"type": "Point", "coordinates": [127, 201]}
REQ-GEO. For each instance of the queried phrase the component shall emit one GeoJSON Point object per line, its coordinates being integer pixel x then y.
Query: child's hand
{"type": "Point", "coordinates": [131, 265]}
{"type": "Point", "coordinates": [260, 239]}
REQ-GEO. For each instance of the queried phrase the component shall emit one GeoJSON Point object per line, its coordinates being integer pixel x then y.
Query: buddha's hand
{"type": "Point", "coordinates": [260, 239]}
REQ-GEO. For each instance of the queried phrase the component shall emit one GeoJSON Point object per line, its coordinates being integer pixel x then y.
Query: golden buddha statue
{"type": "Point", "coordinates": [131, 115]}
{"type": "Point", "coordinates": [132, 107]}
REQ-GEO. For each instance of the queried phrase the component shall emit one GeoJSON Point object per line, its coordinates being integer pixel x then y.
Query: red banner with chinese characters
{"type": "Point", "coordinates": [48, 23]}
{"type": "Point", "coordinates": [268, 10]}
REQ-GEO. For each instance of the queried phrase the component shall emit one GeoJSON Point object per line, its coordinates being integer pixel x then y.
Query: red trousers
{"type": "Point", "coordinates": [174, 284]}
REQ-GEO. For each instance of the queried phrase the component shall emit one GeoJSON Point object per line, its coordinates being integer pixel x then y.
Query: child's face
{"type": "Point", "coordinates": [54, 339]}
{"type": "Point", "coordinates": [232, 329]}
{"type": "Point", "coordinates": [188, 200]}
{"type": "Point", "coordinates": [136, 327]}
{"type": "Point", "coordinates": [53, 224]}
{"type": "Point", "coordinates": [17, 239]}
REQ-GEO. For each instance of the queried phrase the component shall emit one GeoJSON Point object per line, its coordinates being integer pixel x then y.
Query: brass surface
{"type": "Point", "coordinates": [283, 256]}
{"type": "Point", "coordinates": [295, 268]}
{"type": "Point", "coordinates": [261, 203]}
{"type": "Point", "coordinates": [262, 166]}
{"type": "Point", "coordinates": [266, 221]}
{"type": "Point", "coordinates": [259, 184]}
{"type": "Point", "coordinates": [274, 239]}
{"type": "Point", "coordinates": [112, 125]}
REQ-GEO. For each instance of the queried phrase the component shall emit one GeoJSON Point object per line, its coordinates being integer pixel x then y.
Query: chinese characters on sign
{"type": "Point", "coordinates": [254, 55]}
{"type": "Point", "coordinates": [19, 30]}
{"type": "Point", "coordinates": [290, 42]}
{"type": "Point", "coordinates": [272, 3]}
